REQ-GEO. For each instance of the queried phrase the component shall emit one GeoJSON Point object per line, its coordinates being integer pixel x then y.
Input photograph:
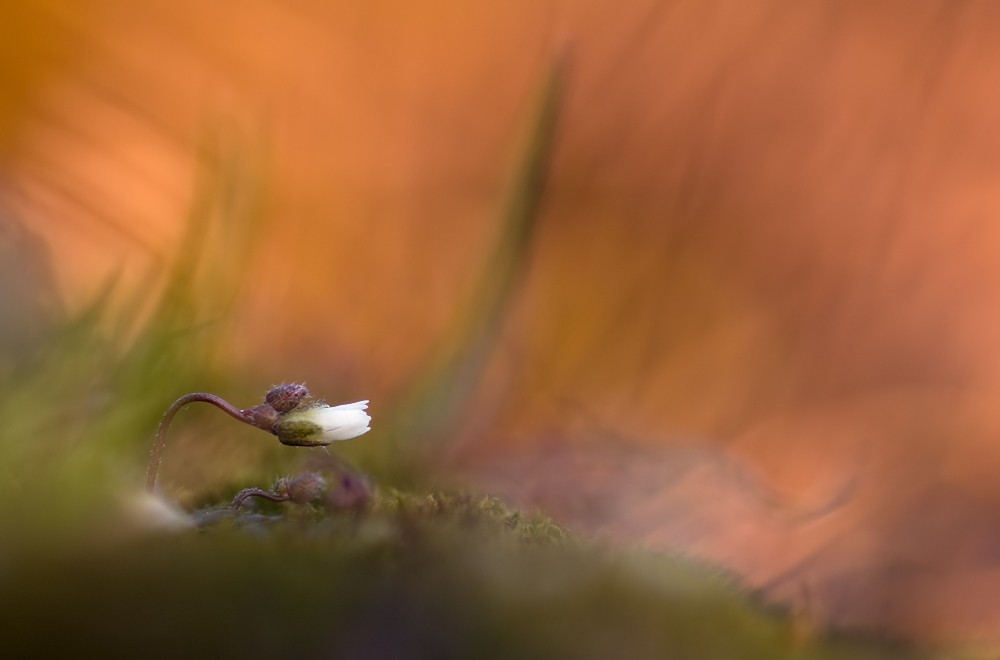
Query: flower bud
{"type": "Point", "coordinates": [301, 489]}
{"type": "Point", "coordinates": [285, 398]}
{"type": "Point", "coordinates": [350, 492]}
{"type": "Point", "coordinates": [319, 424]}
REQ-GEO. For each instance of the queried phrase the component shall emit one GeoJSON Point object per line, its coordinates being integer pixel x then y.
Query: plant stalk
{"type": "Point", "coordinates": [156, 455]}
{"type": "Point", "coordinates": [256, 492]}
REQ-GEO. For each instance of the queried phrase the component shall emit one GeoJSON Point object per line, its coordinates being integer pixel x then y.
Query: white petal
{"type": "Point", "coordinates": [345, 432]}
{"type": "Point", "coordinates": [360, 405]}
{"type": "Point", "coordinates": [341, 422]}
{"type": "Point", "coordinates": [333, 417]}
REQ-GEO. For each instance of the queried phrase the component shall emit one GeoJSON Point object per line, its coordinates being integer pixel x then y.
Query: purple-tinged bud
{"type": "Point", "coordinates": [302, 489]}
{"type": "Point", "coordinates": [285, 398]}
{"type": "Point", "coordinates": [350, 492]}
{"type": "Point", "coordinates": [263, 417]}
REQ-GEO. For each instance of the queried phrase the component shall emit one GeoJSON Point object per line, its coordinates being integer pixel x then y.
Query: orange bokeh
{"type": "Point", "coordinates": [768, 250]}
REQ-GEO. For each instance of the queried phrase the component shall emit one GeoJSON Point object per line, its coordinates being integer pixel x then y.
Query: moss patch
{"type": "Point", "coordinates": [411, 576]}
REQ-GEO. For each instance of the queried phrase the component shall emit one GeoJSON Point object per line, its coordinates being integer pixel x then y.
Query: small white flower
{"type": "Point", "coordinates": [319, 424]}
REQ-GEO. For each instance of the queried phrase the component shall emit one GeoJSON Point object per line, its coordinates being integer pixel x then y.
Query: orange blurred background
{"type": "Point", "coordinates": [759, 321]}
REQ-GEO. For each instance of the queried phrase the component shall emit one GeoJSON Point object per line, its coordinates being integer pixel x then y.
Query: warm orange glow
{"type": "Point", "coordinates": [767, 273]}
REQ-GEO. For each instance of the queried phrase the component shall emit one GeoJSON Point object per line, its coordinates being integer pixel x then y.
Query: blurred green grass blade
{"type": "Point", "coordinates": [79, 420]}
{"type": "Point", "coordinates": [423, 420]}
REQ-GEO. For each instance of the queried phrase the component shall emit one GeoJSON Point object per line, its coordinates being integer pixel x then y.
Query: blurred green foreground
{"type": "Point", "coordinates": [412, 577]}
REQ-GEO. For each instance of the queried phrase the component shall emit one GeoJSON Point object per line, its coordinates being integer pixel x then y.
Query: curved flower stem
{"type": "Point", "coordinates": [256, 492]}
{"type": "Point", "coordinates": [157, 453]}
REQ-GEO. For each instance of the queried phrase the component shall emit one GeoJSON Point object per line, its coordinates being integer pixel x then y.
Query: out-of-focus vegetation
{"type": "Point", "coordinates": [81, 395]}
{"type": "Point", "coordinates": [411, 577]}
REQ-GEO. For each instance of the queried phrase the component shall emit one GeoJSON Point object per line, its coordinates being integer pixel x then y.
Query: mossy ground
{"type": "Point", "coordinates": [410, 576]}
